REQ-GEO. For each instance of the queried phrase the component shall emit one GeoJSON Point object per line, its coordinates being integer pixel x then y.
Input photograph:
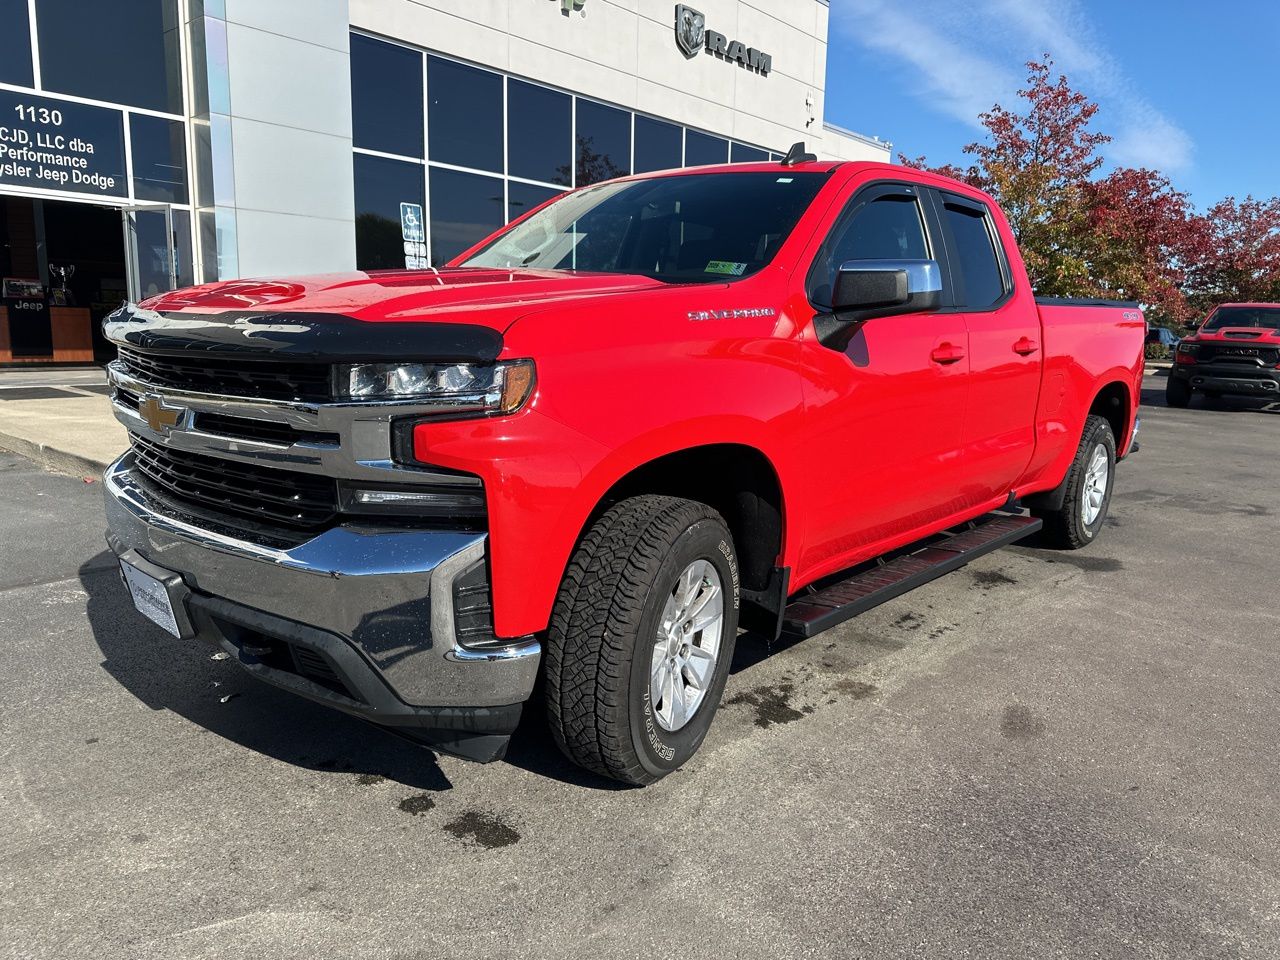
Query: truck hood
{"type": "Point", "coordinates": [468, 295]}
{"type": "Point", "coordinates": [1238, 335]}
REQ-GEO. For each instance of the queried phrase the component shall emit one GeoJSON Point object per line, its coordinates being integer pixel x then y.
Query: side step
{"type": "Point", "coordinates": [872, 584]}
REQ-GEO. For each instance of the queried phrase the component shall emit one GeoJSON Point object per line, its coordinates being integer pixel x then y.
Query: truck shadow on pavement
{"type": "Point", "coordinates": [180, 676]}
{"type": "Point", "coordinates": [217, 696]}
{"type": "Point", "coordinates": [1154, 397]}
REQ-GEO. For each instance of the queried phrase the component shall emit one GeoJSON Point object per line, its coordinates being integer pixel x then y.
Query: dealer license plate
{"type": "Point", "coordinates": [151, 598]}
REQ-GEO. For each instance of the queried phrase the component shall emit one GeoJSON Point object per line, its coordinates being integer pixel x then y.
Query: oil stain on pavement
{"type": "Point", "coordinates": [772, 704]}
{"type": "Point", "coordinates": [482, 829]}
{"type": "Point", "coordinates": [1019, 723]}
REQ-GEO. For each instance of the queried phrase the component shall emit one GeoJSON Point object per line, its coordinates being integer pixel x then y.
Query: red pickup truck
{"type": "Point", "coordinates": [592, 447]}
{"type": "Point", "coordinates": [1236, 350]}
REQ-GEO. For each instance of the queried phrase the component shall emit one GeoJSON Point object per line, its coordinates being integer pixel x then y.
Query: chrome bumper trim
{"type": "Point", "coordinates": [386, 591]}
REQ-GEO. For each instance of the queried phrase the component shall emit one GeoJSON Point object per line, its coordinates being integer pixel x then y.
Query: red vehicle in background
{"type": "Point", "coordinates": [593, 446]}
{"type": "Point", "coordinates": [1236, 350]}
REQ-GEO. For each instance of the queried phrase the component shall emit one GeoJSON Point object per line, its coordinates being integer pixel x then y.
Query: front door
{"type": "Point", "coordinates": [885, 441]}
{"type": "Point", "coordinates": [151, 265]}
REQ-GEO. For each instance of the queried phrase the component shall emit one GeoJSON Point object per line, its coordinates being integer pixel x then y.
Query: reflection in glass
{"type": "Point", "coordinates": [740, 153]}
{"type": "Point", "coordinates": [539, 132]}
{"type": "Point", "coordinates": [159, 158]}
{"type": "Point", "coordinates": [604, 143]}
{"type": "Point", "coordinates": [125, 51]}
{"type": "Point", "coordinates": [464, 123]}
{"type": "Point", "coordinates": [702, 148]}
{"type": "Point", "coordinates": [465, 208]}
{"type": "Point", "coordinates": [523, 197]}
{"type": "Point", "coordinates": [386, 97]}
{"type": "Point", "coordinates": [15, 43]}
{"type": "Point", "coordinates": [381, 186]}
{"type": "Point", "coordinates": [658, 145]}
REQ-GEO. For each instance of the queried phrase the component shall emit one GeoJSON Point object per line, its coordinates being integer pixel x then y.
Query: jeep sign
{"type": "Point", "coordinates": [692, 35]}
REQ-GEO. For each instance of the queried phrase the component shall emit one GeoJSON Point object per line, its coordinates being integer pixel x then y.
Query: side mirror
{"type": "Point", "coordinates": [868, 289]}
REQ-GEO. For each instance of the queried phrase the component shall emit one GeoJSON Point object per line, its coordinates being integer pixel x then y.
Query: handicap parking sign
{"type": "Point", "coordinates": [411, 222]}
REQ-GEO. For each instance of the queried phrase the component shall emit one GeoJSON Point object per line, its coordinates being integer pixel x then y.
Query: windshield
{"type": "Point", "coordinates": [1265, 317]}
{"type": "Point", "coordinates": [700, 227]}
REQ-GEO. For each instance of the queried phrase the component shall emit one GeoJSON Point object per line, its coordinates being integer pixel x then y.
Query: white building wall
{"type": "Point", "coordinates": [289, 77]}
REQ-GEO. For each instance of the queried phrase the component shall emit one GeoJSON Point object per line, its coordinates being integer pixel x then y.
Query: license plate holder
{"type": "Point", "coordinates": [158, 594]}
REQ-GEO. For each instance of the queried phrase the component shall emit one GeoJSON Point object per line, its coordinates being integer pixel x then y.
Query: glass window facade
{"type": "Point", "coordinates": [464, 125]}
{"type": "Point", "coordinates": [381, 186]}
{"type": "Point", "coordinates": [496, 147]}
{"type": "Point", "coordinates": [465, 208]}
{"type": "Point", "coordinates": [603, 143]}
{"type": "Point", "coordinates": [386, 97]}
{"type": "Point", "coordinates": [540, 120]}
{"type": "Point", "coordinates": [702, 148]}
{"type": "Point", "coordinates": [740, 153]}
{"type": "Point", "coordinates": [15, 43]}
{"type": "Point", "coordinates": [159, 158]}
{"type": "Point", "coordinates": [659, 145]}
{"type": "Point", "coordinates": [126, 51]}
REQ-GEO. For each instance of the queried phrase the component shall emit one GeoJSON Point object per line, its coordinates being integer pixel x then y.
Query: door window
{"type": "Point", "coordinates": [973, 255]}
{"type": "Point", "coordinates": [884, 227]}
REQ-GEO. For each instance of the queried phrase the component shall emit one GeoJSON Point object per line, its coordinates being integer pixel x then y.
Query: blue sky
{"type": "Point", "coordinates": [1188, 88]}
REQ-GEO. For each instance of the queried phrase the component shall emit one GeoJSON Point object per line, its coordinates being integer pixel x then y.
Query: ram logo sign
{"type": "Point", "coordinates": [692, 35]}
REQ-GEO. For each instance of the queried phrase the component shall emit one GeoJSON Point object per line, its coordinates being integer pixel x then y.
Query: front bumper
{"type": "Point", "coordinates": [374, 604]}
{"type": "Point", "coordinates": [1224, 378]}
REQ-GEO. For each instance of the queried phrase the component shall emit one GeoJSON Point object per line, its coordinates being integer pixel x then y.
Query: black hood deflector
{"type": "Point", "coordinates": [320, 337]}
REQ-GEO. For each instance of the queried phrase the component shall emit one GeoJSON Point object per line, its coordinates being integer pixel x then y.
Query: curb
{"type": "Point", "coordinates": [51, 458]}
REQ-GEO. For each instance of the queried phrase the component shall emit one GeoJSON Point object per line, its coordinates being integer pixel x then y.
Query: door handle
{"type": "Point", "coordinates": [1025, 347]}
{"type": "Point", "coordinates": [945, 353]}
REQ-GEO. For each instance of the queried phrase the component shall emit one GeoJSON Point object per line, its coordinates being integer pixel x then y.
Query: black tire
{"type": "Point", "coordinates": [599, 648]}
{"type": "Point", "coordinates": [1065, 528]}
{"type": "Point", "coordinates": [1177, 393]}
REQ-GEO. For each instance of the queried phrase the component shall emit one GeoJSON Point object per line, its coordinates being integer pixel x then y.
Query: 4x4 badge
{"type": "Point", "coordinates": [159, 415]}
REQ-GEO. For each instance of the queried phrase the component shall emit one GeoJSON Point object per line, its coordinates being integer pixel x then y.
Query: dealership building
{"type": "Point", "coordinates": [152, 144]}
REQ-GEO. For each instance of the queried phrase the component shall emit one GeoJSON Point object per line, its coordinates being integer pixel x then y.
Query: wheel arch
{"type": "Point", "coordinates": [752, 501]}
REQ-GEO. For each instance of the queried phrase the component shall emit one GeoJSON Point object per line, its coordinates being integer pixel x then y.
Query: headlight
{"type": "Point", "coordinates": [459, 388]}
{"type": "Point", "coordinates": [1185, 347]}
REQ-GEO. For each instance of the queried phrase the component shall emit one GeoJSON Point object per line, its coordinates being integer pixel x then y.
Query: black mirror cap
{"type": "Point", "coordinates": [868, 289]}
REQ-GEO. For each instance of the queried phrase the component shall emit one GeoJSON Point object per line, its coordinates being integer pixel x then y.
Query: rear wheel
{"type": "Point", "coordinates": [1177, 393]}
{"type": "Point", "coordinates": [1089, 483]}
{"type": "Point", "coordinates": [641, 638]}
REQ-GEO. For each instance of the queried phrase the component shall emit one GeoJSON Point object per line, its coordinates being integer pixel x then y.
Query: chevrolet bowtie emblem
{"type": "Point", "coordinates": [160, 416]}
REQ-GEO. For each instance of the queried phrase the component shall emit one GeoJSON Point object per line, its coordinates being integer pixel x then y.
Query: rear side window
{"type": "Point", "coordinates": [973, 255]}
{"type": "Point", "coordinates": [886, 228]}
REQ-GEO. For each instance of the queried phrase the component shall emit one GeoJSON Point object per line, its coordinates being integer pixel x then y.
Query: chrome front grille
{"type": "Point", "coordinates": [278, 468]}
{"type": "Point", "coordinates": [287, 498]}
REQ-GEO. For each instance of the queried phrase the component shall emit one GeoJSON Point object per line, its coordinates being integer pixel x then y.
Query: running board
{"type": "Point", "coordinates": [872, 584]}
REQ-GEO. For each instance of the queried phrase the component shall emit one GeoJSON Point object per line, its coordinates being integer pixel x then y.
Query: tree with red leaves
{"type": "Point", "coordinates": [1038, 164]}
{"type": "Point", "coordinates": [1143, 241]}
{"type": "Point", "coordinates": [1240, 261]}
{"type": "Point", "coordinates": [1129, 234]}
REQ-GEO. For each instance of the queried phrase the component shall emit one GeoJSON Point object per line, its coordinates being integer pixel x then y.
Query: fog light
{"type": "Point", "coordinates": [452, 502]}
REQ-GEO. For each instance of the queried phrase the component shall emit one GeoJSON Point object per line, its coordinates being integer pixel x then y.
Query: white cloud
{"type": "Point", "coordinates": [969, 56]}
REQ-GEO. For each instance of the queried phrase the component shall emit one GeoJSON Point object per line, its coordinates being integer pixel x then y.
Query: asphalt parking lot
{"type": "Point", "coordinates": [1041, 755]}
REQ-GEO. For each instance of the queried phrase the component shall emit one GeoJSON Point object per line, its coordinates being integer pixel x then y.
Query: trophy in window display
{"type": "Point", "coordinates": [62, 297]}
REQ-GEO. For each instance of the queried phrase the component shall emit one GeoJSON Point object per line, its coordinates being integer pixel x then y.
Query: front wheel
{"type": "Point", "coordinates": [1089, 483]}
{"type": "Point", "coordinates": [641, 638]}
{"type": "Point", "coordinates": [1177, 393]}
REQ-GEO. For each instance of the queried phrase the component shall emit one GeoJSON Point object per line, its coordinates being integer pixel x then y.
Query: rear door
{"type": "Point", "coordinates": [885, 417]}
{"type": "Point", "coordinates": [1005, 349]}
